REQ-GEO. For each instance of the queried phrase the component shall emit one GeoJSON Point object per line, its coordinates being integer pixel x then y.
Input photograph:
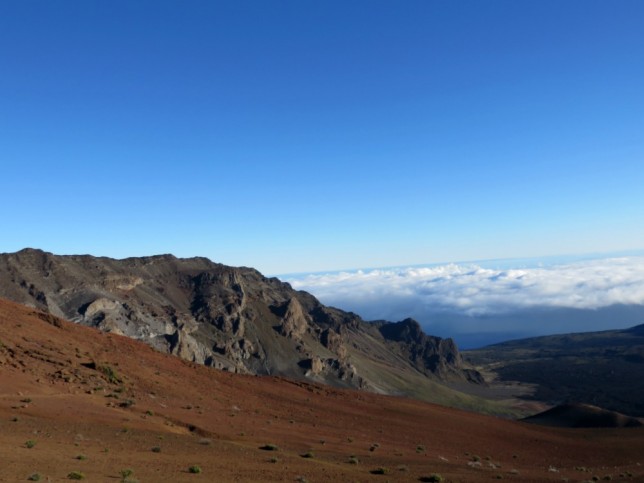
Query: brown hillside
{"type": "Point", "coordinates": [99, 403]}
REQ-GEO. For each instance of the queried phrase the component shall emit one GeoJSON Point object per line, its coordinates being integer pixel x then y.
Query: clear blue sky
{"type": "Point", "coordinates": [317, 135]}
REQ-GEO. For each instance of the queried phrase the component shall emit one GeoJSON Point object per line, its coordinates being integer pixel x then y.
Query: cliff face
{"type": "Point", "coordinates": [229, 318]}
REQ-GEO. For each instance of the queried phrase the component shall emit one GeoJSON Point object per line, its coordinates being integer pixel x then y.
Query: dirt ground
{"type": "Point", "coordinates": [73, 399]}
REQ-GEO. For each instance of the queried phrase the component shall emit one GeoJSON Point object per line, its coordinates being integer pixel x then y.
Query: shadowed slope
{"type": "Point", "coordinates": [583, 416]}
{"type": "Point", "coordinates": [604, 369]}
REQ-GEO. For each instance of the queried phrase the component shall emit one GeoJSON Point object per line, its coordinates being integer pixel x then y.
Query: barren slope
{"type": "Point", "coordinates": [59, 387]}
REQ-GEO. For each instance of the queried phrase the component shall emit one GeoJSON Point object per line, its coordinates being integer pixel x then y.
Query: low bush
{"type": "Point", "coordinates": [380, 471]}
{"type": "Point", "coordinates": [433, 478]}
{"type": "Point", "coordinates": [269, 447]}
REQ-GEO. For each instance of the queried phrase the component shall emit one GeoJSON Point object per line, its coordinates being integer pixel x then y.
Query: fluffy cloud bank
{"type": "Point", "coordinates": [473, 290]}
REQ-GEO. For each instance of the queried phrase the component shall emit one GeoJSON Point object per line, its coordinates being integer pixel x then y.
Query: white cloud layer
{"type": "Point", "coordinates": [476, 291]}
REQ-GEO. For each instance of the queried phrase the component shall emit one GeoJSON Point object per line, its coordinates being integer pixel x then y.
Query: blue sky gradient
{"type": "Point", "coordinates": [301, 136]}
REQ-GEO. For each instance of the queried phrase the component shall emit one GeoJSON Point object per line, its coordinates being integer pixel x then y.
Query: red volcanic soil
{"type": "Point", "coordinates": [59, 387]}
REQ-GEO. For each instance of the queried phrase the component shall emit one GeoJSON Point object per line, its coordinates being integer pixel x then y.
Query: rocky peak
{"type": "Point", "coordinates": [407, 330]}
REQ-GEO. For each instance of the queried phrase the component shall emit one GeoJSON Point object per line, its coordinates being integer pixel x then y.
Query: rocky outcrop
{"type": "Point", "coordinates": [229, 318]}
{"type": "Point", "coordinates": [294, 321]}
{"type": "Point", "coordinates": [428, 354]}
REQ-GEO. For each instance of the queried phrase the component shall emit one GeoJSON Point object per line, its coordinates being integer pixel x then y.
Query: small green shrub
{"type": "Point", "coordinates": [76, 475]}
{"type": "Point", "coordinates": [433, 478]}
{"type": "Point", "coordinates": [30, 443]}
{"type": "Point", "coordinates": [126, 472]}
{"type": "Point", "coordinates": [420, 448]}
{"type": "Point", "coordinates": [269, 447]}
{"type": "Point", "coordinates": [34, 477]}
{"type": "Point", "coordinates": [194, 469]}
{"type": "Point", "coordinates": [380, 471]}
{"type": "Point", "coordinates": [308, 454]}
{"type": "Point", "coordinates": [273, 460]}
{"type": "Point", "coordinates": [353, 460]}
{"type": "Point", "coordinates": [156, 449]}
{"type": "Point", "coordinates": [81, 457]}
{"type": "Point", "coordinates": [111, 374]}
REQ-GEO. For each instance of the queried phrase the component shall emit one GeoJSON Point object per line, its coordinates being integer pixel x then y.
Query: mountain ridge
{"type": "Point", "coordinates": [235, 319]}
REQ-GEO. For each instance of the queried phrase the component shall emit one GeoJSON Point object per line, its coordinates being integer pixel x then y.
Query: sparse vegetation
{"type": "Point", "coordinates": [269, 447]}
{"type": "Point", "coordinates": [34, 477]}
{"type": "Point", "coordinates": [76, 475]}
{"type": "Point", "coordinates": [273, 460]}
{"type": "Point", "coordinates": [353, 460]}
{"type": "Point", "coordinates": [194, 469]}
{"type": "Point", "coordinates": [156, 449]}
{"type": "Point", "coordinates": [81, 457]}
{"type": "Point", "coordinates": [308, 454]}
{"type": "Point", "coordinates": [380, 471]}
{"type": "Point", "coordinates": [420, 448]}
{"type": "Point", "coordinates": [111, 374]}
{"type": "Point", "coordinates": [30, 443]}
{"type": "Point", "coordinates": [433, 478]}
{"type": "Point", "coordinates": [126, 473]}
